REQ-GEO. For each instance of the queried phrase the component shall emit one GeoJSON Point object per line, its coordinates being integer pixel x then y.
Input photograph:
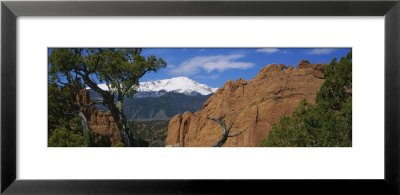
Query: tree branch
{"type": "Point", "coordinates": [225, 134]}
{"type": "Point", "coordinates": [236, 134]}
{"type": "Point", "coordinates": [222, 123]}
{"type": "Point", "coordinates": [231, 125]}
{"type": "Point", "coordinates": [93, 85]}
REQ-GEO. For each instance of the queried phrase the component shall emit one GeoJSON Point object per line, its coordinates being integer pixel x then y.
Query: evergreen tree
{"type": "Point", "coordinates": [326, 124]}
{"type": "Point", "coordinates": [62, 137]}
{"type": "Point", "coordinates": [62, 106]}
{"type": "Point", "coordinates": [119, 68]}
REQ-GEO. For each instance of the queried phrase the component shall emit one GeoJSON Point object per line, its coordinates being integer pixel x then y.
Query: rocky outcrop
{"type": "Point", "coordinates": [99, 121]}
{"type": "Point", "coordinates": [253, 106]}
{"type": "Point", "coordinates": [173, 130]}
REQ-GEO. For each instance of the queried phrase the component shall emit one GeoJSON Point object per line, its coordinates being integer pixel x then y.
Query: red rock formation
{"type": "Point", "coordinates": [253, 105]}
{"type": "Point", "coordinates": [174, 125]}
{"type": "Point", "coordinates": [99, 122]}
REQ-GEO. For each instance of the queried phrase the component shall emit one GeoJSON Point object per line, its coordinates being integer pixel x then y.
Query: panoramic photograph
{"type": "Point", "coordinates": [199, 97]}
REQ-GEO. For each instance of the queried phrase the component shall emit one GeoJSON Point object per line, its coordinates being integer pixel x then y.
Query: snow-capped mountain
{"type": "Point", "coordinates": [182, 85]}
{"type": "Point", "coordinates": [162, 99]}
{"type": "Point", "coordinates": [178, 85]}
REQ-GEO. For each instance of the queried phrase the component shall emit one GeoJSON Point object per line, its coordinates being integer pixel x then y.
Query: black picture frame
{"type": "Point", "coordinates": [10, 10]}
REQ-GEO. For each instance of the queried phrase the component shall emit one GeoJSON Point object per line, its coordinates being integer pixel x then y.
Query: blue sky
{"type": "Point", "coordinates": [214, 66]}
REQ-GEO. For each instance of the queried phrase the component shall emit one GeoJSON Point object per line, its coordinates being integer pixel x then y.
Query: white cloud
{"type": "Point", "coordinates": [212, 77]}
{"type": "Point", "coordinates": [210, 63]}
{"type": "Point", "coordinates": [320, 51]}
{"type": "Point", "coordinates": [268, 50]}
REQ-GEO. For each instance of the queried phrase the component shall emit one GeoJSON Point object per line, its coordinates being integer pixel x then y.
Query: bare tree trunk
{"type": "Point", "coordinates": [116, 111]}
{"type": "Point", "coordinates": [225, 132]}
{"type": "Point", "coordinates": [84, 122]}
{"type": "Point", "coordinates": [127, 137]}
{"type": "Point", "coordinates": [123, 122]}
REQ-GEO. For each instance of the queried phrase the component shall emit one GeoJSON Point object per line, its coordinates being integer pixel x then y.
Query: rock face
{"type": "Point", "coordinates": [99, 122]}
{"type": "Point", "coordinates": [253, 106]}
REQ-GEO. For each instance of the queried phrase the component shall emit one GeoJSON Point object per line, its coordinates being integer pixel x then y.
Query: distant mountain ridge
{"type": "Point", "coordinates": [158, 88]}
{"type": "Point", "coordinates": [163, 107]}
{"type": "Point", "coordinates": [162, 99]}
{"type": "Point", "coordinates": [182, 85]}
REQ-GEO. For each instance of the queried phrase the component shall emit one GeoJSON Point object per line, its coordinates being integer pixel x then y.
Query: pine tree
{"type": "Point", "coordinates": [326, 124]}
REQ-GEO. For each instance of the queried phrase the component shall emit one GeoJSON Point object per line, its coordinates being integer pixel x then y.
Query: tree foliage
{"type": "Point", "coordinates": [71, 69]}
{"type": "Point", "coordinates": [62, 115]}
{"type": "Point", "coordinates": [62, 105]}
{"type": "Point", "coordinates": [119, 68]}
{"type": "Point", "coordinates": [95, 140]}
{"type": "Point", "coordinates": [62, 137]}
{"type": "Point", "coordinates": [337, 86]}
{"type": "Point", "coordinates": [326, 124]}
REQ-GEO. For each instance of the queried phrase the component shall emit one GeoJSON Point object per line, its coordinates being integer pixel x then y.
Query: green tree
{"type": "Point", "coordinates": [119, 68]}
{"type": "Point", "coordinates": [337, 86]}
{"type": "Point", "coordinates": [326, 124]}
{"type": "Point", "coordinates": [62, 106]}
{"type": "Point", "coordinates": [95, 140]}
{"type": "Point", "coordinates": [62, 137]}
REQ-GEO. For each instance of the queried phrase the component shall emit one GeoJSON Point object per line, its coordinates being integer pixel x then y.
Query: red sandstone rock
{"type": "Point", "coordinates": [253, 105]}
{"type": "Point", "coordinates": [303, 64]}
{"type": "Point", "coordinates": [173, 127]}
{"type": "Point", "coordinates": [99, 122]}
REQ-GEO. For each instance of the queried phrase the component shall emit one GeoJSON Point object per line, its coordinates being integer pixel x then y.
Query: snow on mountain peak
{"type": "Point", "coordinates": [176, 84]}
